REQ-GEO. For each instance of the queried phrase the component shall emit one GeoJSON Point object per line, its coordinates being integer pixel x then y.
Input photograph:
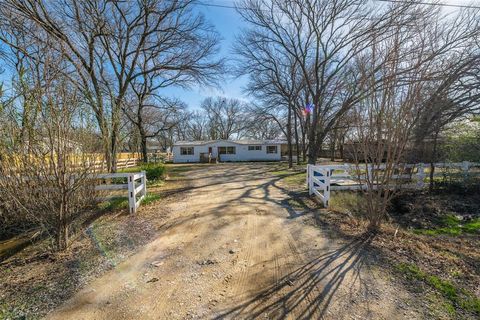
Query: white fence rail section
{"type": "Point", "coordinates": [322, 179]}
{"type": "Point", "coordinates": [136, 186]}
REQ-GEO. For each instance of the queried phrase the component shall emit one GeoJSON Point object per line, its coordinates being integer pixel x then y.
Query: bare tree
{"type": "Point", "coordinates": [151, 114]}
{"type": "Point", "coordinates": [74, 34]}
{"type": "Point", "coordinates": [384, 118]}
{"type": "Point", "coordinates": [197, 125]}
{"type": "Point", "coordinates": [157, 44]}
{"type": "Point", "coordinates": [453, 91]}
{"type": "Point", "coordinates": [110, 44]}
{"type": "Point", "coordinates": [45, 183]}
{"type": "Point", "coordinates": [226, 117]}
{"type": "Point", "coordinates": [275, 79]}
{"type": "Point", "coordinates": [395, 74]}
{"type": "Point", "coordinates": [266, 122]}
{"type": "Point", "coordinates": [321, 37]}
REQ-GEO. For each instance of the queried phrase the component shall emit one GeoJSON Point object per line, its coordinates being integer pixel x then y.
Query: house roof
{"type": "Point", "coordinates": [241, 142]}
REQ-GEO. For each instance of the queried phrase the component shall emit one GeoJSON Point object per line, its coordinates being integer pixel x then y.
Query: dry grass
{"type": "Point", "coordinates": [35, 280]}
{"type": "Point", "coordinates": [431, 243]}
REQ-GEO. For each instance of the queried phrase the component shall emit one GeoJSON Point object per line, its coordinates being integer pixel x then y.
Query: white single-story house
{"type": "Point", "coordinates": [227, 150]}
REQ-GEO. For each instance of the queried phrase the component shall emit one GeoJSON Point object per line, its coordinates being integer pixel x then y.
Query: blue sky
{"type": "Point", "coordinates": [228, 24]}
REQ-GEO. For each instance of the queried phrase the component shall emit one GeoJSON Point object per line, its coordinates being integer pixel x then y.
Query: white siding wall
{"type": "Point", "coordinates": [241, 153]}
{"type": "Point", "coordinates": [179, 158]}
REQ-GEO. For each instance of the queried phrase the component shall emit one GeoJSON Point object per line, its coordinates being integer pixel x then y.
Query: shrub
{"type": "Point", "coordinates": [155, 171]}
{"type": "Point", "coordinates": [43, 192]}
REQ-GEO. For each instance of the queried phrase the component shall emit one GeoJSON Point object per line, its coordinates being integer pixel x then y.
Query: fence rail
{"type": "Point", "coordinates": [322, 179]}
{"type": "Point", "coordinates": [121, 163]}
{"type": "Point", "coordinates": [137, 190]}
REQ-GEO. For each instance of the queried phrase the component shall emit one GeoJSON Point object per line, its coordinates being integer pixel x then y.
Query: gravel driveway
{"type": "Point", "coordinates": [233, 248]}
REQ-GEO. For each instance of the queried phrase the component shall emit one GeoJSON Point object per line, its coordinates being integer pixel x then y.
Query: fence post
{"type": "Point", "coordinates": [144, 183]}
{"type": "Point", "coordinates": [326, 191]}
{"type": "Point", "coordinates": [307, 179]}
{"type": "Point", "coordinates": [131, 193]}
{"type": "Point", "coordinates": [310, 181]}
{"type": "Point", "coordinates": [420, 176]}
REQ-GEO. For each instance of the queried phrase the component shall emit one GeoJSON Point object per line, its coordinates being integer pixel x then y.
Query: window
{"type": "Point", "coordinates": [184, 151]}
{"type": "Point", "coordinates": [271, 149]}
{"type": "Point", "coordinates": [252, 148]}
{"type": "Point", "coordinates": [226, 150]}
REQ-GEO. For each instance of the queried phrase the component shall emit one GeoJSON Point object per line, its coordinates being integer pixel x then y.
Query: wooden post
{"type": "Point", "coordinates": [420, 176]}
{"type": "Point", "coordinates": [308, 178]}
{"type": "Point", "coordinates": [131, 193]}
{"type": "Point", "coordinates": [144, 183]}
{"type": "Point", "coordinates": [326, 190]}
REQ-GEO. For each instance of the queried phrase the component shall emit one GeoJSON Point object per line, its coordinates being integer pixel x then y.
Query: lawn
{"type": "Point", "coordinates": [293, 178]}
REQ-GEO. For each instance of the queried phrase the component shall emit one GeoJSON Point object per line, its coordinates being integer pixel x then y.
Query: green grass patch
{"type": "Point", "coordinates": [114, 204]}
{"type": "Point", "coordinates": [150, 198]}
{"type": "Point", "coordinates": [297, 179]}
{"type": "Point", "coordinates": [350, 201]}
{"type": "Point", "coordinates": [451, 225]}
{"type": "Point", "coordinates": [472, 226]}
{"type": "Point", "coordinates": [183, 168]}
{"type": "Point", "coordinates": [8, 312]}
{"type": "Point", "coordinates": [291, 177]}
{"type": "Point", "coordinates": [175, 171]}
{"type": "Point", "coordinates": [120, 203]}
{"type": "Point", "coordinates": [459, 297]}
{"type": "Point", "coordinates": [282, 172]}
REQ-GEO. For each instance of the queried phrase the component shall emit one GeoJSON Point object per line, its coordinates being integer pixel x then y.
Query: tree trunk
{"type": "Point", "coordinates": [107, 155]}
{"type": "Point", "coordinates": [342, 153]}
{"type": "Point", "coordinates": [312, 150]}
{"type": "Point", "coordinates": [313, 147]}
{"type": "Point", "coordinates": [289, 136]}
{"type": "Point", "coordinates": [304, 147]}
{"type": "Point", "coordinates": [143, 144]}
{"type": "Point", "coordinates": [143, 136]}
{"type": "Point", "coordinates": [113, 155]}
{"type": "Point", "coordinates": [62, 224]}
{"type": "Point", "coordinates": [432, 162]}
{"type": "Point", "coordinates": [332, 145]}
{"type": "Point", "coordinates": [297, 147]}
{"type": "Point", "coordinates": [115, 134]}
{"type": "Point", "coordinates": [312, 154]}
{"type": "Point", "coordinates": [304, 141]}
{"type": "Point", "coordinates": [62, 236]}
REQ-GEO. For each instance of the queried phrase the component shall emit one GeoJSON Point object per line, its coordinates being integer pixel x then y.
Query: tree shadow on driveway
{"type": "Point", "coordinates": [307, 291]}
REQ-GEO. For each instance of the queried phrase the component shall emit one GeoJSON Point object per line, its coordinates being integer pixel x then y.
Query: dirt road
{"type": "Point", "coordinates": [233, 248]}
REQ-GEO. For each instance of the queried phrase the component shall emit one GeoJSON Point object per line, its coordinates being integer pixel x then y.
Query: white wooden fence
{"type": "Point", "coordinates": [322, 179]}
{"type": "Point", "coordinates": [121, 163]}
{"type": "Point", "coordinates": [136, 190]}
